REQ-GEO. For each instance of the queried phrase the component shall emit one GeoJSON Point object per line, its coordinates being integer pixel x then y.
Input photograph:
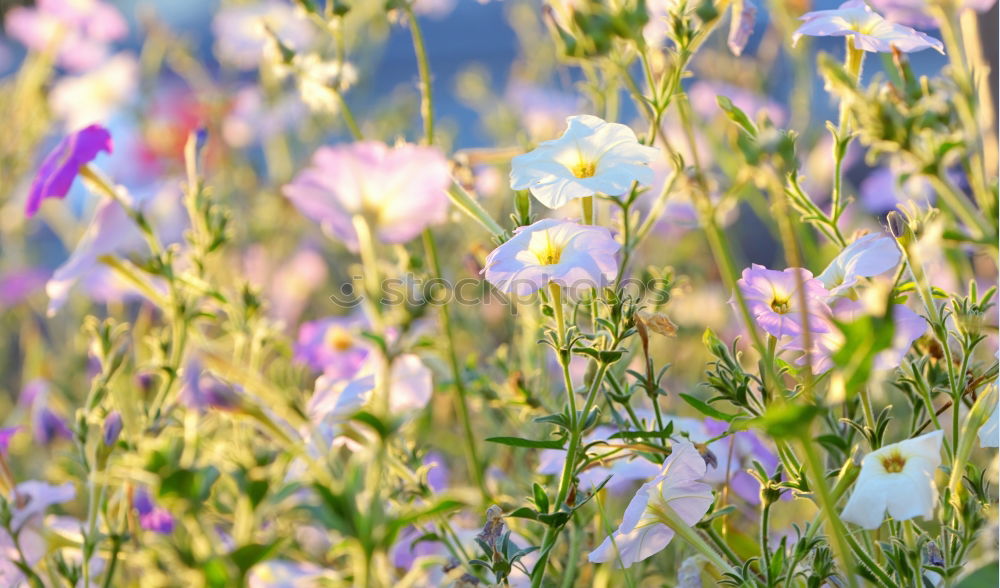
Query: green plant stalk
{"type": "Point", "coordinates": [974, 220]}
{"type": "Point", "coordinates": [461, 402]}
{"type": "Point", "coordinates": [973, 422]}
{"type": "Point", "coordinates": [765, 550]}
{"type": "Point", "coordinates": [827, 504]}
{"type": "Point", "coordinates": [467, 204]}
{"type": "Point", "coordinates": [854, 60]}
{"type": "Point", "coordinates": [669, 517]}
{"type": "Point", "coordinates": [423, 67]}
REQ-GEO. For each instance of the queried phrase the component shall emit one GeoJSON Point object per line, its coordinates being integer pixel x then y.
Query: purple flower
{"type": "Point", "coordinates": [869, 31]}
{"type": "Point", "coordinates": [46, 424]}
{"type": "Point", "coordinates": [871, 255]}
{"type": "Point", "coordinates": [333, 345]}
{"type": "Point", "coordinates": [82, 29]}
{"type": "Point", "coordinates": [112, 428]}
{"type": "Point", "coordinates": [703, 95]}
{"type": "Point", "coordinates": [15, 286]}
{"type": "Point", "coordinates": [775, 302]}
{"type": "Point", "coordinates": [6, 434]}
{"type": "Point", "coordinates": [62, 164]}
{"type": "Point", "coordinates": [881, 190]}
{"type": "Point", "coordinates": [914, 12]}
{"type": "Point", "coordinates": [399, 190]}
{"type": "Point", "coordinates": [438, 475]}
{"type": "Point", "coordinates": [203, 391]}
{"type": "Point", "coordinates": [641, 534]}
{"type": "Point", "coordinates": [152, 517]}
{"type": "Point", "coordinates": [570, 255]}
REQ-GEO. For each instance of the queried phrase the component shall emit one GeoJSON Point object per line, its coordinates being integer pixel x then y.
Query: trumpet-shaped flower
{"type": "Point", "coordinates": [399, 190]}
{"type": "Point", "coordinates": [552, 251]}
{"type": "Point", "coordinates": [898, 478]}
{"type": "Point", "coordinates": [774, 300]}
{"type": "Point", "coordinates": [869, 256]}
{"type": "Point", "coordinates": [867, 28]}
{"type": "Point", "coordinates": [62, 164]}
{"type": "Point", "coordinates": [641, 534]}
{"type": "Point", "coordinates": [591, 156]}
{"type": "Point", "coordinates": [333, 345]}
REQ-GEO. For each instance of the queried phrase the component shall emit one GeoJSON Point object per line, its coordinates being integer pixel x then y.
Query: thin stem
{"type": "Point", "coordinates": [827, 504]}
{"type": "Point", "coordinates": [461, 403]}
{"type": "Point", "coordinates": [587, 203]}
{"type": "Point", "coordinates": [423, 67]}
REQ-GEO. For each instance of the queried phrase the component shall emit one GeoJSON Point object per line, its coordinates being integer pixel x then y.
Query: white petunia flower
{"type": "Point", "coordinates": [573, 256]}
{"type": "Point", "coordinates": [898, 478]}
{"type": "Point", "coordinates": [641, 533]}
{"type": "Point", "coordinates": [869, 256]}
{"type": "Point", "coordinates": [867, 28]}
{"type": "Point", "coordinates": [592, 156]}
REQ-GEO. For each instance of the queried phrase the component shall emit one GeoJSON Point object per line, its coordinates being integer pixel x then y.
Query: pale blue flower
{"type": "Point", "coordinates": [867, 28]}
{"type": "Point", "coordinates": [871, 255]}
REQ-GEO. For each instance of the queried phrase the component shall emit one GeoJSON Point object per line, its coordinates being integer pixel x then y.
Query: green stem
{"type": "Point", "coordinates": [461, 403]}
{"type": "Point", "coordinates": [669, 517]}
{"type": "Point", "coordinates": [423, 67]}
{"type": "Point", "coordinates": [588, 209]}
{"type": "Point", "coordinates": [817, 482]}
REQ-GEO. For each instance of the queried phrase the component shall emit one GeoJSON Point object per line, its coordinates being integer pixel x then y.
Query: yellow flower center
{"type": "Point", "coordinates": [893, 463]}
{"type": "Point", "coordinates": [781, 304]}
{"type": "Point", "coordinates": [339, 339]}
{"type": "Point", "coordinates": [542, 247]}
{"type": "Point", "coordinates": [584, 169]}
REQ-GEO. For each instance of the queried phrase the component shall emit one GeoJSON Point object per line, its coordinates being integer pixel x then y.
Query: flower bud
{"type": "Point", "coordinates": [112, 428]}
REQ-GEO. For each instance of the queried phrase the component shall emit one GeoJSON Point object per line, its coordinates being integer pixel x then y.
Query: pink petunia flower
{"type": "Point", "coordinates": [83, 29]}
{"type": "Point", "coordinates": [333, 345]}
{"type": "Point", "coordinates": [867, 28]}
{"type": "Point", "coordinates": [399, 190]}
{"type": "Point", "coordinates": [775, 303]}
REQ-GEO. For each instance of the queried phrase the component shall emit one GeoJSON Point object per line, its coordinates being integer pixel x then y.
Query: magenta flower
{"type": "Point", "coordinates": [82, 28]}
{"type": "Point", "coordinates": [62, 164]}
{"type": "Point", "coordinates": [775, 303]}
{"type": "Point", "coordinates": [6, 434]}
{"type": "Point", "coordinates": [152, 517]}
{"type": "Point", "coordinates": [867, 28]}
{"type": "Point", "coordinates": [641, 534]}
{"type": "Point", "coordinates": [871, 255]}
{"type": "Point", "coordinates": [399, 190]}
{"type": "Point", "coordinates": [571, 255]}
{"type": "Point", "coordinates": [333, 345]}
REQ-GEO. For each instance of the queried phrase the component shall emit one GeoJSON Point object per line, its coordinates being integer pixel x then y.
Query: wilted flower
{"type": "Point", "coordinates": [79, 30]}
{"type": "Point", "coordinates": [866, 28]}
{"type": "Point", "coordinates": [641, 534]}
{"type": "Point", "coordinates": [592, 156]}
{"type": "Point", "coordinates": [570, 255]}
{"type": "Point", "coordinates": [152, 517]}
{"type": "Point", "coordinates": [871, 255]}
{"type": "Point", "coordinates": [399, 190]}
{"type": "Point", "coordinates": [333, 345]}
{"type": "Point", "coordinates": [97, 94]}
{"type": "Point", "coordinates": [62, 164]}
{"type": "Point", "coordinates": [775, 302]}
{"type": "Point", "coordinates": [898, 478]}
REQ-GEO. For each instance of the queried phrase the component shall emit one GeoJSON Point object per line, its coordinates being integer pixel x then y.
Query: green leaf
{"type": "Point", "coordinates": [251, 554]}
{"type": "Point", "coordinates": [706, 409]}
{"type": "Point", "coordinates": [736, 115]}
{"type": "Point", "coordinates": [524, 513]}
{"type": "Point", "coordinates": [787, 420]}
{"type": "Point", "coordinates": [541, 499]}
{"type": "Point", "coordinates": [988, 576]}
{"type": "Point", "coordinates": [529, 443]}
{"type": "Point", "coordinates": [864, 338]}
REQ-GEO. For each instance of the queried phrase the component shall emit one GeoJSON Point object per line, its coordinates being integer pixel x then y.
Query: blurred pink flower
{"type": "Point", "coordinates": [61, 166]}
{"type": "Point", "coordinates": [641, 534]}
{"type": "Point", "coordinates": [399, 190]}
{"type": "Point", "coordinates": [571, 255]}
{"type": "Point", "coordinates": [775, 303]}
{"type": "Point", "coordinates": [592, 156]}
{"type": "Point", "coordinates": [333, 345]}
{"type": "Point", "coordinates": [866, 27]}
{"type": "Point", "coordinates": [83, 29]}
{"type": "Point", "coordinates": [17, 285]}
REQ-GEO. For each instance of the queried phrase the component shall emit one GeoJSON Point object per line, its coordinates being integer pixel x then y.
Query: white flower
{"type": "Point", "coordinates": [96, 95]}
{"type": "Point", "coordinates": [869, 256]}
{"type": "Point", "coordinates": [641, 533]}
{"type": "Point", "coordinates": [898, 478]}
{"type": "Point", "coordinates": [241, 31]}
{"type": "Point", "coordinates": [868, 30]}
{"type": "Point", "coordinates": [591, 156]}
{"type": "Point", "coordinates": [573, 256]}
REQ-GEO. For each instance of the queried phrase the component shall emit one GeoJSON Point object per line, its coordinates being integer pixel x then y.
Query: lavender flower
{"type": "Point", "coordinates": [152, 517]}
{"type": "Point", "coordinates": [775, 303]}
{"type": "Point", "coordinates": [62, 164]}
{"type": "Point", "coordinates": [914, 12]}
{"type": "Point", "coordinates": [6, 434]}
{"type": "Point", "coordinates": [203, 391]}
{"type": "Point", "coordinates": [868, 30]}
{"type": "Point", "coordinates": [333, 345]}
{"type": "Point", "coordinates": [399, 190]}
{"type": "Point", "coordinates": [79, 30]}
{"type": "Point", "coordinates": [552, 251]}
{"type": "Point", "coordinates": [46, 424]}
{"type": "Point", "coordinates": [112, 428]}
{"type": "Point", "coordinates": [871, 255]}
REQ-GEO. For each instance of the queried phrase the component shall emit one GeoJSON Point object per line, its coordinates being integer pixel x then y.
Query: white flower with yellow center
{"type": "Point", "coordinates": [898, 478]}
{"type": "Point", "coordinates": [552, 251]}
{"type": "Point", "coordinates": [591, 157]}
